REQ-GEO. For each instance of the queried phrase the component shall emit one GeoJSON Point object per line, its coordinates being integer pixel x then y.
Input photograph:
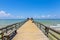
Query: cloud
{"type": "Point", "coordinates": [48, 16]}
{"type": "Point", "coordinates": [4, 14]}
{"type": "Point", "coordinates": [43, 16]}
{"type": "Point", "coordinates": [19, 16]}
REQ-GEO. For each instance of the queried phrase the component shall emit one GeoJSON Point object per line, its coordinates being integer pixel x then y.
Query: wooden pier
{"type": "Point", "coordinates": [28, 30]}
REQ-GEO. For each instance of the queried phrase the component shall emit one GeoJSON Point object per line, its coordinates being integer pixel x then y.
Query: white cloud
{"type": "Point", "coordinates": [37, 16]}
{"type": "Point", "coordinates": [4, 14]}
{"type": "Point", "coordinates": [19, 16]}
{"type": "Point", "coordinates": [48, 16]}
{"type": "Point", "coordinates": [43, 16]}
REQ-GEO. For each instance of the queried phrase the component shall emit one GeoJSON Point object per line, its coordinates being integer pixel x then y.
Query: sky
{"type": "Point", "coordinates": [42, 9]}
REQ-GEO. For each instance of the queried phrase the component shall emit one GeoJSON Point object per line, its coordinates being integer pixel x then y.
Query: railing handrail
{"type": "Point", "coordinates": [7, 26]}
{"type": "Point", "coordinates": [50, 28]}
{"type": "Point", "coordinates": [10, 27]}
{"type": "Point", "coordinates": [47, 30]}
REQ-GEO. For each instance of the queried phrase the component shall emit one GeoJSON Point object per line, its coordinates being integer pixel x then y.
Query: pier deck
{"type": "Point", "coordinates": [29, 31]}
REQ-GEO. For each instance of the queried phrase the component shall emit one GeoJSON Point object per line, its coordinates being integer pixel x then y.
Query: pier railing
{"type": "Point", "coordinates": [51, 33]}
{"type": "Point", "coordinates": [8, 32]}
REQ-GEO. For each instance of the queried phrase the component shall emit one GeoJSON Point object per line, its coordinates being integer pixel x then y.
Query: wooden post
{"type": "Point", "coordinates": [40, 26]}
{"type": "Point", "coordinates": [46, 31]}
{"type": "Point", "coordinates": [2, 35]}
{"type": "Point", "coordinates": [19, 24]}
{"type": "Point", "coordinates": [8, 38]}
{"type": "Point", "coordinates": [32, 21]}
{"type": "Point", "coordinates": [16, 31]}
{"type": "Point", "coordinates": [6, 30]}
{"type": "Point", "coordinates": [15, 26]}
{"type": "Point", "coordinates": [37, 24]}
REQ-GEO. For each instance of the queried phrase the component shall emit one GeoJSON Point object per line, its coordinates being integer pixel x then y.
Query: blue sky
{"type": "Point", "coordinates": [43, 9]}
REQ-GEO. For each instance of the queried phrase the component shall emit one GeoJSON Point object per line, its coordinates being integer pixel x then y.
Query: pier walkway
{"type": "Point", "coordinates": [29, 31]}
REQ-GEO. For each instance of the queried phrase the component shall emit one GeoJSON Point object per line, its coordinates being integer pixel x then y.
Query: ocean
{"type": "Point", "coordinates": [53, 23]}
{"type": "Point", "coordinates": [47, 22]}
{"type": "Point", "coordinates": [5, 22]}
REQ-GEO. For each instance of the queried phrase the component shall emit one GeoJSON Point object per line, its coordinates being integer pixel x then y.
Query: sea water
{"type": "Point", "coordinates": [53, 23]}
{"type": "Point", "coordinates": [47, 22]}
{"type": "Point", "coordinates": [5, 22]}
